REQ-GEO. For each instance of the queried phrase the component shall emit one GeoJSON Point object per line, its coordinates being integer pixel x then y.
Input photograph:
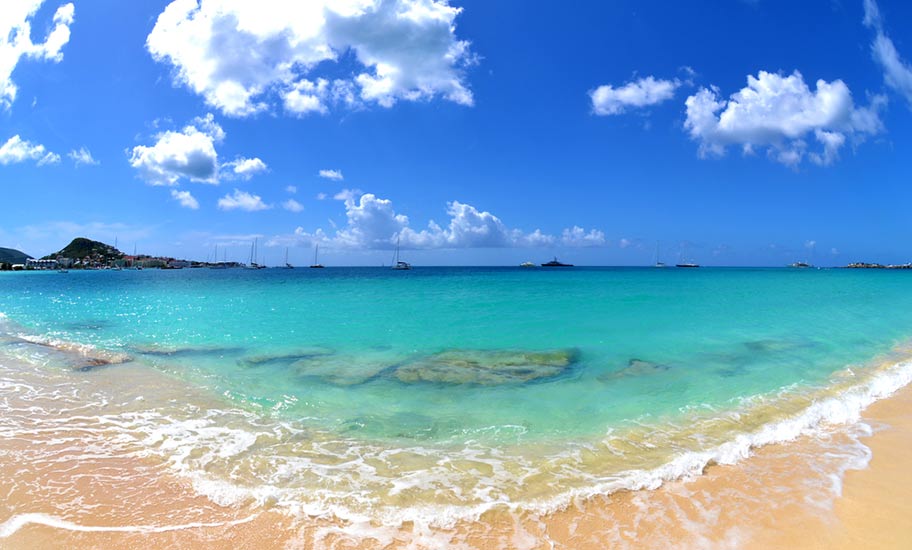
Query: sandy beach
{"type": "Point", "coordinates": [777, 498]}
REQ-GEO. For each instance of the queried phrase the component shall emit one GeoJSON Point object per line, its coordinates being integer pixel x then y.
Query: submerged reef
{"type": "Point", "coordinates": [636, 367]}
{"type": "Point", "coordinates": [486, 367]}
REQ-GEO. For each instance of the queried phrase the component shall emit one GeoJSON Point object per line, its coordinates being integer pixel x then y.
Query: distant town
{"type": "Point", "coordinates": [84, 253]}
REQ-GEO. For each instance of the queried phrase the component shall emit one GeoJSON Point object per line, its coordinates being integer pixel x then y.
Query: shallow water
{"type": "Point", "coordinates": [436, 394]}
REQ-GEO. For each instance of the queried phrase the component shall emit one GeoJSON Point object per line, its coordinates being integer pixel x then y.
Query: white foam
{"type": "Point", "coordinates": [19, 521]}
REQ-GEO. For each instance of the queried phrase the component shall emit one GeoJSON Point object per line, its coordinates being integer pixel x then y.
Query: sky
{"type": "Point", "coordinates": [472, 132]}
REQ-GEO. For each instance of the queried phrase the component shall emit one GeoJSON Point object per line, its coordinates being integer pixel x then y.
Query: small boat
{"type": "Point", "coordinates": [800, 265]}
{"type": "Point", "coordinates": [555, 263]}
{"type": "Point", "coordinates": [63, 270]}
{"type": "Point", "coordinates": [398, 264]}
{"type": "Point", "coordinates": [287, 265]}
{"type": "Point", "coordinates": [687, 264]}
{"type": "Point", "coordinates": [316, 264]}
{"type": "Point", "coordinates": [253, 257]}
{"type": "Point", "coordinates": [658, 263]}
{"type": "Point", "coordinates": [527, 264]}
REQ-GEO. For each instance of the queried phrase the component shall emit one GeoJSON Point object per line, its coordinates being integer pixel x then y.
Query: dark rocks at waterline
{"type": "Point", "coordinates": [636, 367]}
{"type": "Point", "coordinates": [93, 363]}
{"type": "Point", "coordinates": [486, 367]}
{"type": "Point", "coordinates": [284, 359]}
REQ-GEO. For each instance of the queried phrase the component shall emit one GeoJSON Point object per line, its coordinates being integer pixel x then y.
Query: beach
{"type": "Point", "coordinates": [714, 510]}
{"type": "Point", "coordinates": [173, 410]}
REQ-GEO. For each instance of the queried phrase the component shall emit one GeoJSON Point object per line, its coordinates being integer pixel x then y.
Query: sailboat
{"type": "Point", "coordinates": [215, 263]}
{"type": "Point", "coordinates": [134, 265]}
{"type": "Point", "coordinates": [397, 263]}
{"type": "Point", "coordinates": [658, 263]}
{"type": "Point", "coordinates": [316, 264]}
{"type": "Point", "coordinates": [287, 265]}
{"type": "Point", "coordinates": [253, 257]}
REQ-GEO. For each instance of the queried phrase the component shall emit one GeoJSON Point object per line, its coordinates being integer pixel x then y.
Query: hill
{"type": "Point", "coordinates": [12, 256]}
{"type": "Point", "coordinates": [81, 247]}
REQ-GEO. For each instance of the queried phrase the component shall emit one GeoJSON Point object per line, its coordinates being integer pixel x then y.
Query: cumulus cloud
{"type": "Point", "coordinates": [82, 157]}
{"type": "Point", "coordinates": [17, 150]}
{"type": "Point", "coordinates": [16, 41]}
{"type": "Point", "coordinates": [185, 199]}
{"type": "Point", "coordinates": [779, 114]}
{"type": "Point", "coordinates": [373, 223]}
{"type": "Point", "coordinates": [291, 189]}
{"type": "Point", "coordinates": [245, 168]}
{"type": "Point", "coordinates": [245, 57]}
{"type": "Point", "coordinates": [897, 72]}
{"type": "Point", "coordinates": [292, 206]}
{"type": "Point", "coordinates": [241, 200]}
{"type": "Point", "coordinates": [608, 100]}
{"type": "Point", "coordinates": [189, 154]}
{"type": "Point", "coordinates": [332, 175]}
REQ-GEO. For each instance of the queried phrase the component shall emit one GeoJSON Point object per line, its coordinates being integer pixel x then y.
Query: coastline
{"type": "Point", "coordinates": [728, 506]}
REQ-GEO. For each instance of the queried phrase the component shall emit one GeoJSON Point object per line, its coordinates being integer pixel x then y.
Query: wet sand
{"type": "Point", "coordinates": [781, 497]}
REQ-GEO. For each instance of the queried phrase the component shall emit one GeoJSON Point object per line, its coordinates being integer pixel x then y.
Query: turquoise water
{"type": "Point", "coordinates": [546, 381]}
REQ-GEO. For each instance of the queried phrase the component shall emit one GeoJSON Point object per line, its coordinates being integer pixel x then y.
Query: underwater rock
{"type": "Point", "coordinates": [92, 362]}
{"type": "Point", "coordinates": [486, 367]}
{"type": "Point", "coordinates": [187, 351]}
{"type": "Point", "coordinates": [344, 369]}
{"type": "Point", "coordinates": [772, 346]}
{"type": "Point", "coordinates": [287, 358]}
{"type": "Point", "coordinates": [636, 367]}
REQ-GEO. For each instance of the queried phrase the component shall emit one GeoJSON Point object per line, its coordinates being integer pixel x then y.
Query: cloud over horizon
{"type": "Point", "coordinates": [779, 114]}
{"type": "Point", "coordinates": [374, 224]}
{"type": "Point", "coordinates": [244, 58]}
{"type": "Point", "coordinates": [190, 154]}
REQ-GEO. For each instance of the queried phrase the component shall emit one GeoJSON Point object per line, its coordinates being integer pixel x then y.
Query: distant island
{"type": "Point", "coordinates": [83, 253]}
{"type": "Point", "coordinates": [864, 265]}
{"type": "Point", "coordinates": [10, 256]}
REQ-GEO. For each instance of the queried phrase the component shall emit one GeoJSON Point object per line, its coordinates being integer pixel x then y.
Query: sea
{"type": "Point", "coordinates": [386, 401]}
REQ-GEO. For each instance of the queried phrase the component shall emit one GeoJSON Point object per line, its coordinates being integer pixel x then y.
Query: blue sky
{"type": "Point", "coordinates": [475, 132]}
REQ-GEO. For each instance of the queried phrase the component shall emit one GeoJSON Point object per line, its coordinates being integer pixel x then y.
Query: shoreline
{"type": "Point", "coordinates": [708, 510]}
{"type": "Point", "coordinates": [700, 509]}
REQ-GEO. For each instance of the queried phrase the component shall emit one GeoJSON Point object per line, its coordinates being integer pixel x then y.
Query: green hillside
{"type": "Point", "coordinates": [12, 256]}
{"type": "Point", "coordinates": [81, 247]}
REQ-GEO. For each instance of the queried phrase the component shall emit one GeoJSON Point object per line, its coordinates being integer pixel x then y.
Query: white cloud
{"type": "Point", "coordinates": [579, 237]}
{"type": "Point", "coordinates": [185, 199]}
{"type": "Point", "coordinates": [292, 205]}
{"type": "Point", "coordinates": [241, 200]}
{"type": "Point", "coordinates": [188, 154]}
{"type": "Point", "coordinates": [332, 175]}
{"type": "Point", "coordinates": [373, 223]}
{"type": "Point", "coordinates": [17, 150]}
{"type": "Point", "coordinates": [322, 196]}
{"type": "Point", "coordinates": [82, 156]}
{"type": "Point", "coordinates": [246, 168]}
{"type": "Point", "coordinates": [291, 189]}
{"type": "Point", "coordinates": [897, 72]}
{"type": "Point", "coordinates": [244, 56]}
{"type": "Point", "coordinates": [608, 100]}
{"type": "Point", "coordinates": [779, 113]}
{"type": "Point", "coordinates": [16, 41]}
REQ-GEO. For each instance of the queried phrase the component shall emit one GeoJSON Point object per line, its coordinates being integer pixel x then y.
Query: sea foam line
{"type": "Point", "coordinates": [843, 409]}
{"type": "Point", "coordinates": [19, 521]}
